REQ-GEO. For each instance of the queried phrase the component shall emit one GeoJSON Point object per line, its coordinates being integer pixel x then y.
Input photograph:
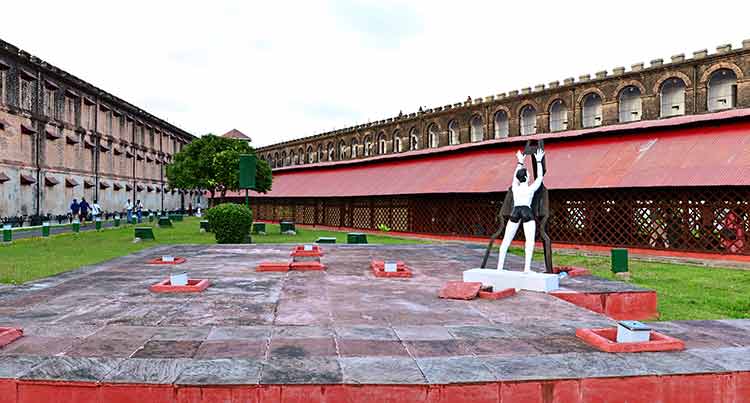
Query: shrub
{"type": "Point", "coordinates": [230, 222]}
{"type": "Point", "coordinates": [384, 228]}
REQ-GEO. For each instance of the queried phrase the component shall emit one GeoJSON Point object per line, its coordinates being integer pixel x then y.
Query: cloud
{"type": "Point", "coordinates": [383, 24]}
{"type": "Point", "coordinates": [283, 70]}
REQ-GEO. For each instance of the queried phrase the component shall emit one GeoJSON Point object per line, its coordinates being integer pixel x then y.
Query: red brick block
{"type": "Point", "coordinates": [500, 294]}
{"type": "Point", "coordinates": [697, 388]}
{"type": "Point", "coordinates": [632, 305]}
{"type": "Point", "coordinates": [193, 285]}
{"type": "Point", "coordinates": [299, 251]}
{"type": "Point", "coordinates": [378, 269]}
{"type": "Point", "coordinates": [526, 392]}
{"type": "Point", "coordinates": [478, 393]}
{"type": "Point", "coordinates": [136, 393]}
{"type": "Point", "coordinates": [218, 394]}
{"type": "Point", "coordinates": [568, 391]}
{"type": "Point", "coordinates": [615, 390]}
{"type": "Point", "coordinates": [58, 392]}
{"type": "Point", "coordinates": [606, 340]}
{"type": "Point", "coordinates": [307, 266]}
{"type": "Point", "coordinates": [177, 260]}
{"type": "Point", "coordinates": [272, 267]}
{"type": "Point", "coordinates": [8, 391]}
{"type": "Point", "coordinates": [460, 290]}
{"type": "Point", "coordinates": [301, 393]}
{"type": "Point", "coordinates": [386, 394]}
{"type": "Point", "coordinates": [9, 335]}
{"type": "Point", "coordinates": [742, 387]}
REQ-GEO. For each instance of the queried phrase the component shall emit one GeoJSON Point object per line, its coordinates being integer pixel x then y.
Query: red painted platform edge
{"type": "Point", "coordinates": [572, 271]}
{"type": "Point", "coordinates": [9, 335]}
{"type": "Point", "coordinates": [307, 266]}
{"type": "Point", "coordinates": [378, 269]}
{"type": "Point", "coordinates": [460, 290]}
{"type": "Point", "coordinates": [272, 267]}
{"type": "Point", "coordinates": [560, 245]}
{"type": "Point", "coordinates": [177, 260]}
{"type": "Point", "coordinates": [604, 340]}
{"type": "Point", "coordinates": [194, 285]}
{"type": "Point", "coordinates": [637, 305]}
{"type": "Point", "coordinates": [711, 387]}
{"type": "Point", "coordinates": [494, 295]}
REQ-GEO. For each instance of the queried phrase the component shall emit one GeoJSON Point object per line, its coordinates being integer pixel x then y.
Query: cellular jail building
{"type": "Point", "coordinates": [62, 138]}
{"type": "Point", "coordinates": [654, 157]}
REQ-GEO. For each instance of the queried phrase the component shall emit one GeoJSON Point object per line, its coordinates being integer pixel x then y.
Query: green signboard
{"type": "Point", "coordinates": [247, 171]}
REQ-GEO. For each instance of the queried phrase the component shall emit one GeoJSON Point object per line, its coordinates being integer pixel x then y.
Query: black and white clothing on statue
{"type": "Point", "coordinates": [523, 194]}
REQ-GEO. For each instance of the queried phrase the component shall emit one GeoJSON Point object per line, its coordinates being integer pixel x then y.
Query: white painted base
{"type": "Point", "coordinates": [502, 279]}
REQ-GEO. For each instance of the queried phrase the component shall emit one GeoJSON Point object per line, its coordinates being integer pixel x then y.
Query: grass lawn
{"type": "Point", "coordinates": [685, 291]}
{"type": "Point", "coordinates": [34, 258]}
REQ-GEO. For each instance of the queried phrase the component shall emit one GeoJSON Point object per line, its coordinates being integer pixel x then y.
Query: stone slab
{"type": "Point", "coordinates": [381, 370]}
{"type": "Point", "coordinates": [220, 372]}
{"type": "Point", "coordinates": [502, 279]}
{"type": "Point", "coordinates": [465, 290]}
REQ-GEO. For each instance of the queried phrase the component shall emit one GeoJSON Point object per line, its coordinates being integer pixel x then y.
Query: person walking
{"type": "Point", "coordinates": [84, 206]}
{"type": "Point", "coordinates": [74, 209]}
{"type": "Point", "coordinates": [139, 210]}
{"type": "Point", "coordinates": [129, 209]}
{"type": "Point", "coordinates": [96, 210]}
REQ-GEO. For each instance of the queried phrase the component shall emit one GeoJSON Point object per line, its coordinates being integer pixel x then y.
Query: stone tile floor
{"type": "Point", "coordinates": [101, 323]}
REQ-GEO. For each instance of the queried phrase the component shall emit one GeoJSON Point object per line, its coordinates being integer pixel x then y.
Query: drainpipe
{"type": "Point", "coordinates": [161, 170]}
{"type": "Point", "coordinates": [96, 150]}
{"type": "Point", "coordinates": [40, 126]}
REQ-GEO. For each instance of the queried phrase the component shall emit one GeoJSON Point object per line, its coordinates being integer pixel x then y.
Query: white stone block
{"type": "Point", "coordinates": [630, 331]}
{"type": "Point", "coordinates": [502, 279]}
{"type": "Point", "coordinates": [391, 267]}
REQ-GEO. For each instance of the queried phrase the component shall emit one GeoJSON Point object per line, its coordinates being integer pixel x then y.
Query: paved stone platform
{"type": "Point", "coordinates": [100, 324]}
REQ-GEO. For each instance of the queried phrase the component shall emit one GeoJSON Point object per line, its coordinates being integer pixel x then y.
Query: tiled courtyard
{"type": "Point", "coordinates": [102, 324]}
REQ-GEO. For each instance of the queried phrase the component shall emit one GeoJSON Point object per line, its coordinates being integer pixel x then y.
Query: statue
{"type": "Point", "coordinates": [537, 208]}
{"type": "Point", "coordinates": [523, 195]}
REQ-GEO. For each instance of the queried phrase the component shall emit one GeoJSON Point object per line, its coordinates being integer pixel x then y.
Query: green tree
{"type": "Point", "coordinates": [212, 163]}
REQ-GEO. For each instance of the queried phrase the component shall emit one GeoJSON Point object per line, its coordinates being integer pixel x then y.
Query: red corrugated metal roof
{"type": "Point", "coordinates": [703, 155]}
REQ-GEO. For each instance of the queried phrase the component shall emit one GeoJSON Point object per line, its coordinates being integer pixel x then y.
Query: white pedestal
{"type": "Point", "coordinates": [502, 279]}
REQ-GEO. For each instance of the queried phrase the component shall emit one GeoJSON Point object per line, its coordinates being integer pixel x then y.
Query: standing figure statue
{"type": "Point", "coordinates": [523, 195]}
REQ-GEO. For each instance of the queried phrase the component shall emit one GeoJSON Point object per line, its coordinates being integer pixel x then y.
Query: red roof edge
{"type": "Point", "coordinates": [665, 123]}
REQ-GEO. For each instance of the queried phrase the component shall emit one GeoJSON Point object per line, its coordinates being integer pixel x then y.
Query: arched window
{"type": "Point", "coordinates": [558, 116]}
{"type": "Point", "coordinates": [342, 150]}
{"type": "Point", "coordinates": [413, 139]}
{"type": "Point", "coordinates": [672, 97]}
{"type": "Point", "coordinates": [300, 156]}
{"type": "Point", "coordinates": [331, 152]}
{"type": "Point", "coordinates": [292, 158]}
{"type": "Point", "coordinates": [276, 162]}
{"type": "Point", "coordinates": [397, 143]}
{"type": "Point", "coordinates": [592, 110]}
{"type": "Point", "coordinates": [283, 159]}
{"type": "Point", "coordinates": [501, 124]}
{"type": "Point", "coordinates": [320, 153]}
{"type": "Point", "coordinates": [433, 136]}
{"type": "Point", "coordinates": [310, 155]}
{"type": "Point", "coordinates": [630, 104]}
{"type": "Point", "coordinates": [368, 146]}
{"type": "Point", "coordinates": [382, 144]}
{"type": "Point", "coordinates": [528, 120]}
{"type": "Point", "coordinates": [355, 148]}
{"type": "Point", "coordinates": [454, 133]}
{"type": "Point", "coordinates": [722, 90]}
{"type": "Point", "coordinates": [477, 128]}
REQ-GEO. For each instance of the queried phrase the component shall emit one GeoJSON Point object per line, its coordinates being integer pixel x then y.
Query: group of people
{"type": "Point", "coordinates": [82, 209]}
{"type": "Point", "coordinates": [136, 209]}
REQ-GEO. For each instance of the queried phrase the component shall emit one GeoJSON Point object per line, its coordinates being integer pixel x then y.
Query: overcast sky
{"type": "Point", "coordinates": [281, 70]}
